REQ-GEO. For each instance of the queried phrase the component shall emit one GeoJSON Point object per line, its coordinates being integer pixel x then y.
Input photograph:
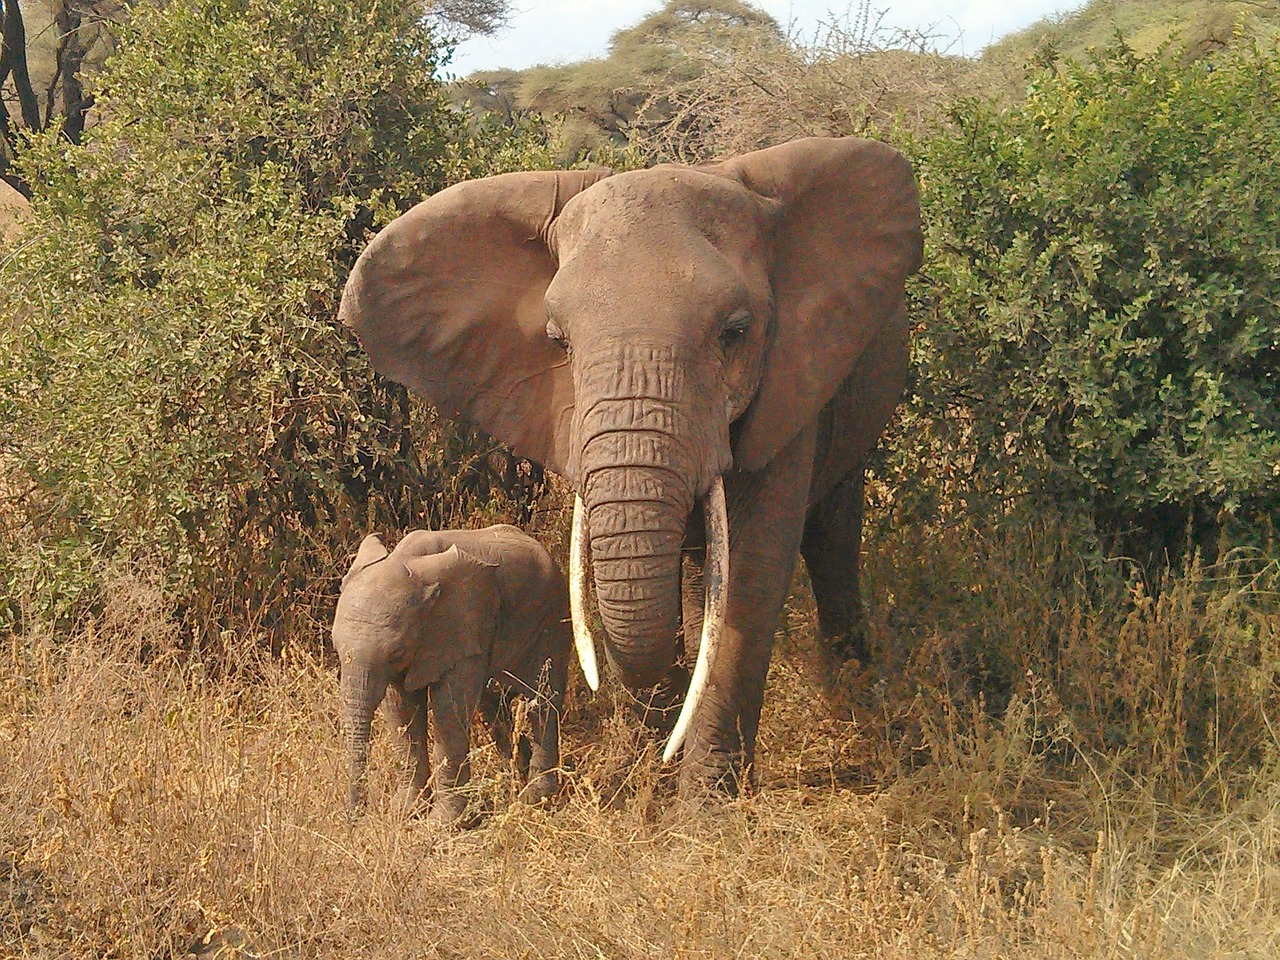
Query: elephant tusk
{"type": "Point", "coordinates": [715, 577]}
{"type": "Point", "coordinates": [582, 639]}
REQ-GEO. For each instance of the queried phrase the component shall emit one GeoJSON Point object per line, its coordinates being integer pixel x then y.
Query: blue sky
{"type": "Point", "coordinates": [559, 31]}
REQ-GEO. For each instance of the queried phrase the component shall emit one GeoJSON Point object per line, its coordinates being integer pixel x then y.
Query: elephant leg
{"type": "Point", "coordinates": [832, 546]}
{"type": "Point", "coordinates": [453, 701]}
{"type": "Point", "coordinates": [407, 713]}
{"type": "Point", "coordinates": [544, 732]}
{"type": "Point", "coordinates": [766, 521]}
{"type": "Point", "coordinates": [523, 757]}
{"type": "Point", "coordinates": [495, 708]}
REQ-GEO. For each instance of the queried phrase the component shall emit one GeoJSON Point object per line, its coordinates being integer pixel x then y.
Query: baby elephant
{"type": "Point", "coordinates": [433, 622]}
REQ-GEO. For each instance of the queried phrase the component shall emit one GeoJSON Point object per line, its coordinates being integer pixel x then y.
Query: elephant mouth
{"type": "Point", "coordinates": [715, 578]}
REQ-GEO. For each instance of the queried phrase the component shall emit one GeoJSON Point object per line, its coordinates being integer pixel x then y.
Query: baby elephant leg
{"type": "Point", "coordinates": [407, 712]}
{"type": "Point", "coordinates": [544, 732]}
{"type": "Point", "coordinates": [453, 700]}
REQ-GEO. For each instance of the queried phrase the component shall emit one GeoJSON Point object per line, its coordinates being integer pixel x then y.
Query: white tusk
{"type": "Point", "coordinates": [582, 638]}
{"type": "Point", "coordinates": [715, 580]}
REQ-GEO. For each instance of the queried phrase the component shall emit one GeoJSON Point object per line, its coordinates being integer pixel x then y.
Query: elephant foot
{"type": "Point", "coordinates": [448, 811]}
{"type": "Point", "coordinates": [413, 801]}
{"type": "Point", "coordinates": [849, 645]}
{"type": "Point", "coordinates": [523, 756]}
{"type": "Point", "coordinates": [712, 774]}
{"type": "Point", "coordinates": [541, 788]}
{"type": "Point", "coordinates": [841, 667]}
{"type": "Point", "coordinates": [414, 804]}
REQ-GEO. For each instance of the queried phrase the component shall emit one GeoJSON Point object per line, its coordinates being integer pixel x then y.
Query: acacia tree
{"type": "Point", "coordinates": [457, 19]}
{"type": "Point", "coordinates": [606, 101]}
{"type": "Point", "coordinates": [742, 89]}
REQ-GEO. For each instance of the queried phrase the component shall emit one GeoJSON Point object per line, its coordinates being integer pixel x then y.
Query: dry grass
{"type": "Point", "coordinates": [155, 808]}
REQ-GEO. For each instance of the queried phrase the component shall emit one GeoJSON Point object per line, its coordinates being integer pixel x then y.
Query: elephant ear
{"type": "Point", "coordinates": [372, 549]}
{"type": "Point", "coordinates": [847, 237]}
{"type": "Point", "coordinates": [457, 585]}
{"type": "Point", "coordinates": [447, 299]}
{"type": "Point", "coordinates": [474, 560]}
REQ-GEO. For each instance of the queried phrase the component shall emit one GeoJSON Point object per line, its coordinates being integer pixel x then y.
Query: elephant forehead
{"type": "Point", "coordinates": [644, 276]}
{"type": "Point", "coordinates": [668, 241]}
{"type": "Point", "coordinates": [670, 202]}
{"type": "Point", "coordinates": [366, 605]}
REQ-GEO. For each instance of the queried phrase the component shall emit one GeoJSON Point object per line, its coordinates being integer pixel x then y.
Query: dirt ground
{"type": "Point", "coordinates": [12, 206]}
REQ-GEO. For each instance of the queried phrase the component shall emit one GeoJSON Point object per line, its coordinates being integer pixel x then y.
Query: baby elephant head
{"type": "Point", "coordinates": [404, 620]}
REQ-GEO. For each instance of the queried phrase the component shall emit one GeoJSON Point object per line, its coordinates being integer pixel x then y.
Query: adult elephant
{"type": "Point", "coordinates": [669, 339]}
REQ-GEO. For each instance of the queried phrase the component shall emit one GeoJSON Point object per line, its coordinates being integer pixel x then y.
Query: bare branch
{"type": "Point", "coordinates": [74, 43]}
{"type": "Point", "coordinates": [14, 33]}
{"type": "Point", "coordinates": [855, 76]}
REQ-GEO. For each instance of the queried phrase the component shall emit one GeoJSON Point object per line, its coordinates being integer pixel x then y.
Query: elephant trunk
{"type": "Point", "coordinates": [651, 440]}
{"type": "Point", "coordinates": [652, 435]}
{"type": "Point", "coordinates": [362, 691]}
{"type": "Point", "coordinates": [635, 551]}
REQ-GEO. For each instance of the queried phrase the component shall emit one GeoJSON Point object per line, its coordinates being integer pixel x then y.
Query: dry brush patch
{"type": "Point", "coordinates": [157, 806]}
{"type": "Point", "coordinates": [852, 77]}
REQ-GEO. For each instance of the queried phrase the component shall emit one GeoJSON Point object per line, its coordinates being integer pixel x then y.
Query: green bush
{"type": "Point", "coordinates": [1100, 309]}
{"type": "Point", "coordinates": [175, 390]}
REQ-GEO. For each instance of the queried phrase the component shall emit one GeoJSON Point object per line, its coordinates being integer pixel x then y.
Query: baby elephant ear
{"type": "Point", "coordinates": [847, 237]}
{"type": "Point", "coordinates": [426, 575]}
{"type": "Point", "coordinates": [427, 662]}
{"type": "Point", "coordinates": [462, 617]}
{"type": "Point", "coordinates": [447, 300]}
{"type": "Point", "coordinates": [372, 549]}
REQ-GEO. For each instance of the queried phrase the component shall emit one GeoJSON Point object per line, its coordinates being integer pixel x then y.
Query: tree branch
{"type": "Point", "coordinates": [72, 50]}
{"type": "Point", "coordinates": [14, 39]}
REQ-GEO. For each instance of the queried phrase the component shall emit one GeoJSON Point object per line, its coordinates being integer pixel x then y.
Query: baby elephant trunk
{"type": "Point", "coordinates": [362, 692]}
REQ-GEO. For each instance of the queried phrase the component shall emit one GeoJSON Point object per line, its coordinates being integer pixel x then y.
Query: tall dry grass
{"type": "Point", "coordinates": [158, 805]}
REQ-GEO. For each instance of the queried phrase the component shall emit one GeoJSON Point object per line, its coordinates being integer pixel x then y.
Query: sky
{"type": "Point", "coordinates": [562, 31]}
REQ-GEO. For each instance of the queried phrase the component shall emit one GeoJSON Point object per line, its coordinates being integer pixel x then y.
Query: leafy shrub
{"type": "Point", "coordinates": [179, 393]}
{"type": "Point", "coordinates": [1100, 309]}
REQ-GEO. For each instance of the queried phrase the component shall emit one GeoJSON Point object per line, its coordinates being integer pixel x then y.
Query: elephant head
{"type": "Point", "coordinates": [406, 621]}
{"type": "Point", "coordinates": [643, 333]}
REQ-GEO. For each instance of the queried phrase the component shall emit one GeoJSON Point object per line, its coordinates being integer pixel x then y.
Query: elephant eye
{"type": "Point", "coordinates": [556, 335]}
{"type": "Point", "coordinates": [734, 328]}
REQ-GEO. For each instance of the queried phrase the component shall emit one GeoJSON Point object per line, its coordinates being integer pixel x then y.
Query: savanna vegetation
{"type": "Point", "coordinates": [1063, 742]}
{"type": "Point", "coordinates": [1198, 28]}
